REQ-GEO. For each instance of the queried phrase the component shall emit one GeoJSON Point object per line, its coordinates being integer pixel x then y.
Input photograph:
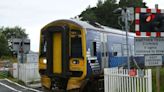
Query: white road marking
{"type": "Point", "coordinates": [22, 86]}
{"type": "Point", "coordinates": [9, 87]}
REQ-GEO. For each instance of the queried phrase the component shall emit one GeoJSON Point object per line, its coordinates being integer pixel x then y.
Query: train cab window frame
{"type": "Point", "coordinates": [43, 48]}
{"type": "Point", "coordinates": [76, 43]}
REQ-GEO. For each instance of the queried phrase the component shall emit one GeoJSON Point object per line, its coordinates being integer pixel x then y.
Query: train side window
{"type": "Point", "coordinates": [94, 49]}
{"type": "Point", "coordinates": [114, 53]}
{"type": "Point", "coordinates": [116, 50]}
{"type": "Point", "coordinates": [103, 54]}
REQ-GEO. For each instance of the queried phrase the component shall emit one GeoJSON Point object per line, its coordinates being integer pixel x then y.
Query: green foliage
{"type": "Point", "coordinates": [89, 14]}
{"type": "Point", "coordinates": [4, 74]}
{"type": "Point", "coordinates": [7, 33]}
{"type": "Point", "coordinates": [15, 32]}
{"type": "Point", "coordinates": [161, 79]}
{"type": "Point", "coordinates": [100, 3]}
{"type": "Point", "coordinates": [8, 58]}
{"type": "Point", "coordinates": [4, 49]}
{"type": "Point", "coordinates": [103, 12]}
{"type": "Point", "coordinates": [132, 3]}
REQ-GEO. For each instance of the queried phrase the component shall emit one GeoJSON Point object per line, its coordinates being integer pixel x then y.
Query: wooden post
{"type": "Point", "coordinates": [158, 78]}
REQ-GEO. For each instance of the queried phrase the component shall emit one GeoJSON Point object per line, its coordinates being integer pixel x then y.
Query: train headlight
{"type": "Point", "coordinates": [75, 61]}
{"type": "Point", "coordinates": [45, 61]}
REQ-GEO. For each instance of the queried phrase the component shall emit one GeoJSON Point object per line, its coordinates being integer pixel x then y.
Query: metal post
{"type": "Point", "coordinates": [21, 53]}
{"type": "Point", "coordinates": [22, 50]}
{"type": "Point", "coordinates": [18, 64]}
{"type": "Point", "coordinates": [127, 40]}
{"type": "Point", "coordinates": [157, 69]}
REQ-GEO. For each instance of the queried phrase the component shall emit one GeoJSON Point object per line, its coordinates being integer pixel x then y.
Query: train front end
{"type": "Point", "coordinates": [62, 58]}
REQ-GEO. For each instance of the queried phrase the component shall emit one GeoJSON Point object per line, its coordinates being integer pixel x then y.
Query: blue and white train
{"type": "Point", "coordinates": [73, 53]}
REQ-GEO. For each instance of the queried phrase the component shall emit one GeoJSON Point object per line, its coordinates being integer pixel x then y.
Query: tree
{"type": "Point", "coordinates": [4, 49]}
{"type": "Point", "coordinates": [103, 12]}
{"type": "Point", "coordinates": [100, 3]}
{"type": "Point", "coordinates": [15, 32]}
{"type": "Point", "coordinates": [132, 3]}
{"type": "Point", "coordinates": [105, 15]}
{"type": "Point", "coordinates": [7, 33]}
{"type": "Point", "coordinates": [89, 14]}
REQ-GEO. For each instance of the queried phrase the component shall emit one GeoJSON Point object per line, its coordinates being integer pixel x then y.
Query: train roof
{"type": "Point", "coordinates": [88, 25]}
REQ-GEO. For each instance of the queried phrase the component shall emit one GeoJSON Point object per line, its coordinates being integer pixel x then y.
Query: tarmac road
{"type": "Point", "coordinates": [5, 89]}
{"type": "Point", "coordinates": [9, 86]}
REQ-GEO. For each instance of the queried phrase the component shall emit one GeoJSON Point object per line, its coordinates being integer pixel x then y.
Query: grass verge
{"type": "Point", "coordinates": [161, 79]}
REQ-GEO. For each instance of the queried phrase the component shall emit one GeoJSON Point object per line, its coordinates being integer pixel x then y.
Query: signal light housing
{"type": "Point", "coordinates": [149, 22]}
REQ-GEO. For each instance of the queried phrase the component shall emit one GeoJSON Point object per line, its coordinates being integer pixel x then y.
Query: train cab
{"type": "Point", "coordinates": [62, 58]}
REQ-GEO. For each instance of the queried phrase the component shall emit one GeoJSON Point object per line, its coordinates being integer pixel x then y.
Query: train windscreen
{"type": "Point", "coordinates": [76, 44]}
{"type": "Point", "coordinates": [43, 46]}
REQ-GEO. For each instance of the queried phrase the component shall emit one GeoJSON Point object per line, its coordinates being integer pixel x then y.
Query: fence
{"type": "Point", "coordinates": [118, 80]}
{"type": "Point", "coordinates": [28, 72]}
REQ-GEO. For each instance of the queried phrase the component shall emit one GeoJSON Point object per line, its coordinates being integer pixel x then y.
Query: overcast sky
{"type": "Point", "coordinates": [34, 14]}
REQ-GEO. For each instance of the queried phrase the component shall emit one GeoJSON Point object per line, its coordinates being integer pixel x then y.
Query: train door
{"type": "Point", "coordinates": [57, 54]}
{"type": "Point", "coordinates": [104, 51]}
{"type": "Point", "coordinates": [57, 51]}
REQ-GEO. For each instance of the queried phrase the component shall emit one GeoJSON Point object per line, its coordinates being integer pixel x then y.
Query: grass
{"type": "Point", "coordinates": [2, 77]}
{"type": "Point", "coordinates": [4, 74]}
{"type": "Point", "coordinates": [161, 79]}
{"type": "Point", "coordinates": [8, 58]}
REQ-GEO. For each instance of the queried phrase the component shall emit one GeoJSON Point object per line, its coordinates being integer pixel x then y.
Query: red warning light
{"type": "Point", "coordinates": [150, 18]}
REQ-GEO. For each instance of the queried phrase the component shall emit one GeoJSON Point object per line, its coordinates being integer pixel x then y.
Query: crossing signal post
{"type": "Point", "coordinates": [150, 23]}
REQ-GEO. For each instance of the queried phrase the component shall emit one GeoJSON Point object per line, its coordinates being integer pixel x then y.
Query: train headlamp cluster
{"type": "Point", "coordinates": [45, 61]}
{"type": "Point", "coordinates": [75, 62]}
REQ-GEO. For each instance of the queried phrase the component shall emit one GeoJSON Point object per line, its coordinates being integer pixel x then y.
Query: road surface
{"type": "Point", "coordinates": [9, 86]}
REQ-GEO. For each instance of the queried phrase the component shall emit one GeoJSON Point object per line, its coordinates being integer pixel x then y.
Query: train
{"type": "Point", "coordinates": [74, 53]}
